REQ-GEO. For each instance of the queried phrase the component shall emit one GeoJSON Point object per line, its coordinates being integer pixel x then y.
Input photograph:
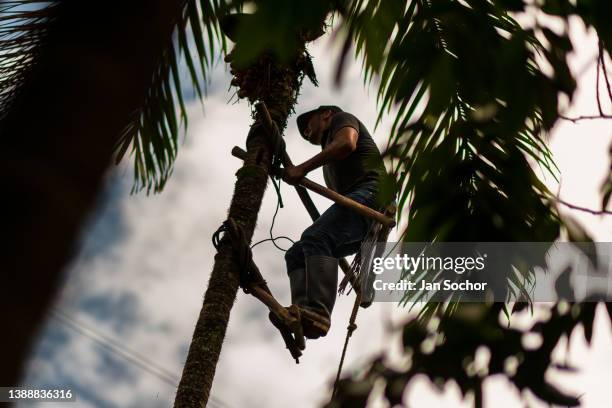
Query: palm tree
{"type": "Point", "coordinates": [460, 146]}
{"type": "Point", "coordinates": [274, 80]}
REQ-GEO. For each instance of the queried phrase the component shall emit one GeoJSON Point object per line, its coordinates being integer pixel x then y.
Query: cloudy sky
{"type": "Point", "coordinates": [119, 332]}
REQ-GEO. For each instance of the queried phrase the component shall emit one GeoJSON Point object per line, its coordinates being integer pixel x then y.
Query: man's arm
{"type": "Point", "coordinates": [343, 144]}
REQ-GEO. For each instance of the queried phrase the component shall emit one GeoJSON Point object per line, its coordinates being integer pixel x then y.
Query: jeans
{"type": "Point", "coordinates": [338, 232]}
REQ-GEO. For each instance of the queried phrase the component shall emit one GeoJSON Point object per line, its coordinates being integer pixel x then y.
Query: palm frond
{"type": "Point", "coordinates": [24, 26]}
{"type": "Point", "coordinates": [153, 133]}
{"type": "Point", "coordinates": [473, 109]}
{"type": "Point", "coordinates": [483, 114]}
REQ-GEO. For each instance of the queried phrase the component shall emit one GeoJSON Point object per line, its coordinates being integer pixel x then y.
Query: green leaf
{"type": "Point", "coordinates": [154, 130]}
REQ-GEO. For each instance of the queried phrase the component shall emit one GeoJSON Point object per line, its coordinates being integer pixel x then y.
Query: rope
{"type": "Point", "coordinates": [349, 332]}
{"type": "Point", "coordinates": [275, 176]}
{"type": "Point", "coordinates": [272, 238]}
{"type": "Point", "coordinates": [375, 233]}
{"type": "Point", "coordinates": [216, 237]}
{"type": "Point", "coordinates": [245, 254]}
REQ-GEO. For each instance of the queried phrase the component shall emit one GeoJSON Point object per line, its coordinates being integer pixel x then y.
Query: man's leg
{"type": "Point", "coordinates": [338, 232]}
{"type": "Point", "coordinates": [307, 293]}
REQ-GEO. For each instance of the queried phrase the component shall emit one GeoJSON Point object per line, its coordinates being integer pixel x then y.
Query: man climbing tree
{"type": "Point", "coordinates": [352, 166]}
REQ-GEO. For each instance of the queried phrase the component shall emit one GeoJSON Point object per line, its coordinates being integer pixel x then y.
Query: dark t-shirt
{"type": "Point", "coordinates": [363, 164]}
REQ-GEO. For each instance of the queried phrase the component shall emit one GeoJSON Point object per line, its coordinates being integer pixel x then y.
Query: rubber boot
{"type": "Point", "coordinates": [321, 283]}
{"type": "Point", "coordinates": [321, 287]}
{"type": "Point", "coordinates": [297, 284]}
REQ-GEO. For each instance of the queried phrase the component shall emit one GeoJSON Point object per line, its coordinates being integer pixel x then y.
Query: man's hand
{"type": "Point", "coordinates": [293, 174]}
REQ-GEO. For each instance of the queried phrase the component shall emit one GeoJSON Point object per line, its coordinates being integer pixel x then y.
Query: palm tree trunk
{"type": "Point", "coordinates": [57, 139]}
{"type": "Point", "coordinates": [199, 370]}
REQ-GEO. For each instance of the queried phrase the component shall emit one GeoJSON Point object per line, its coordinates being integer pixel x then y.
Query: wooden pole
{"type": "Point", "coordinates": [335, 197]}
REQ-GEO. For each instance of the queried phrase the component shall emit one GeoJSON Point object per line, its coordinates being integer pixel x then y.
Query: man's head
{"type": "Point", "coordinates": [313, 124]}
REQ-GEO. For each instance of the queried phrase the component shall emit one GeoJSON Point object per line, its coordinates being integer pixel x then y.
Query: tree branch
{"type": "Point", "coordinates": [585, 117]}
{"type": "Point", "coordinates": [587, 210]}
